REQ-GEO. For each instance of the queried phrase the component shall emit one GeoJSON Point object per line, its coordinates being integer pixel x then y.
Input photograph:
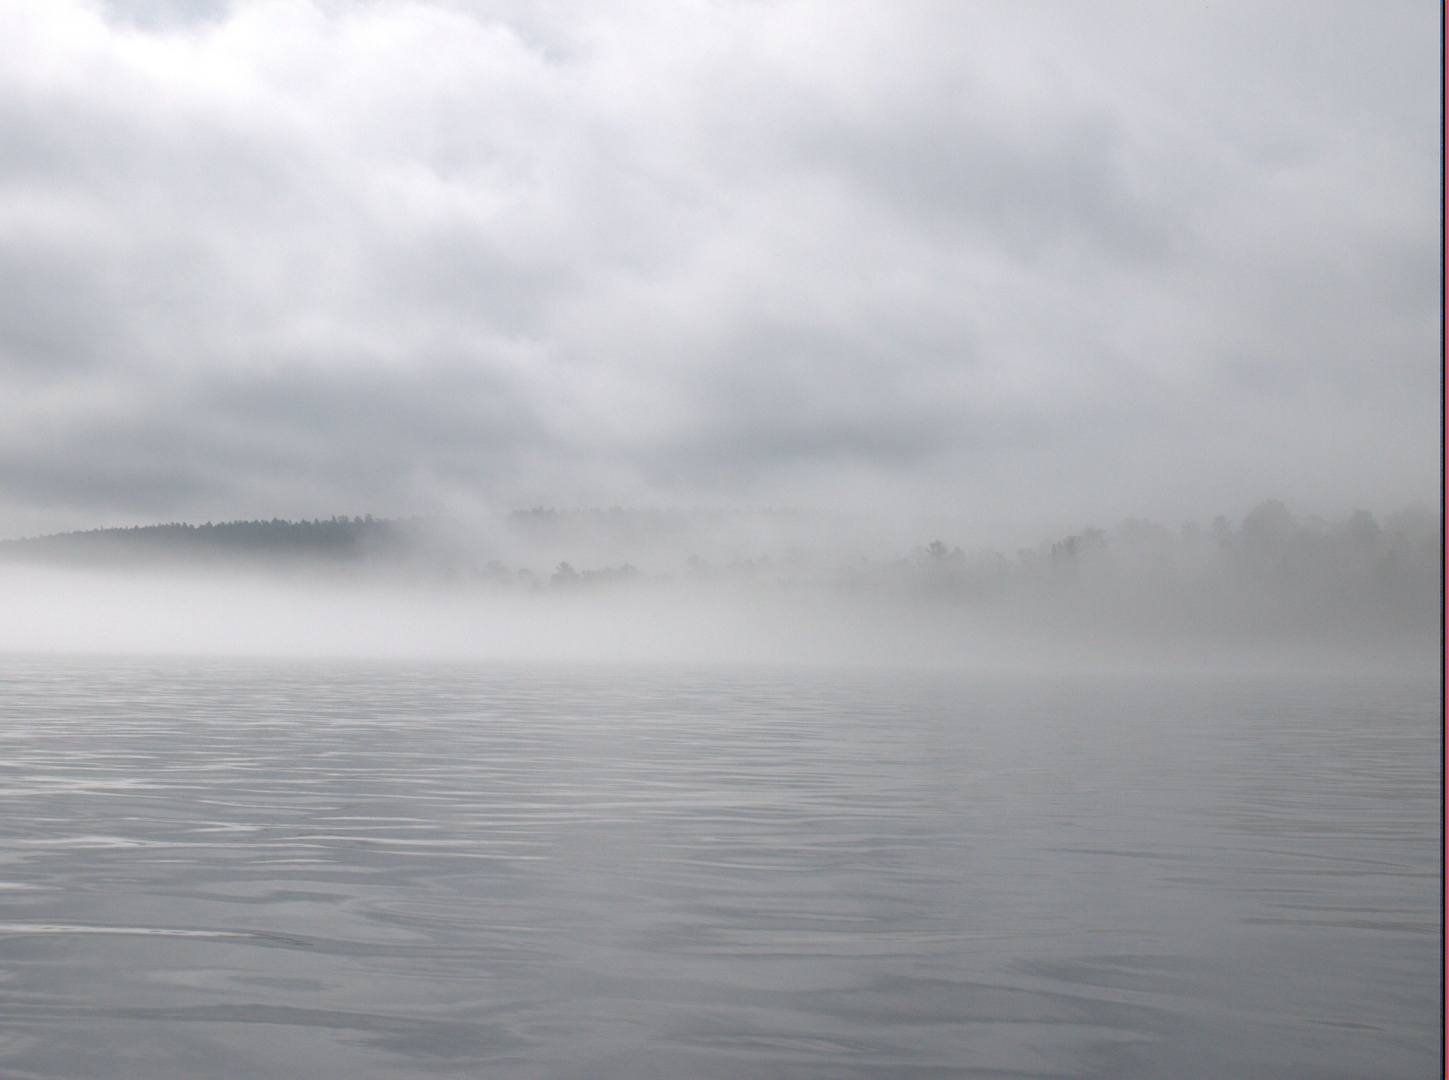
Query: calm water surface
{"type": "Point", "coordinates": [233, 870]}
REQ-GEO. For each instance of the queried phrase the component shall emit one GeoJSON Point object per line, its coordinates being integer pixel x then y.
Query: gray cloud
{"type": "Point", "coordinates": [294, 257]}
{"type": "Point", "coordinates": [165, 14]}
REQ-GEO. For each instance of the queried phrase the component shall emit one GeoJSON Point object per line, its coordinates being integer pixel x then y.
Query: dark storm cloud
{"type": "Point", "coordinates": [163, 14]}
{"type": "Point", "coordinates": [948, 176]}
{"type": "Point", "coordinates": [295, 257]}
{"type": "Point", "coordinates": [223, 440]}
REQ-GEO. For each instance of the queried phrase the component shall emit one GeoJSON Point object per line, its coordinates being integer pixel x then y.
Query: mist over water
{"type": "Point", "coordinates": [1126, 804]}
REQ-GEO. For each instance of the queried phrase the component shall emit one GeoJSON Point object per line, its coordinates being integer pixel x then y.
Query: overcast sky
{"type": "Point", "coordinates": [1012, 262]}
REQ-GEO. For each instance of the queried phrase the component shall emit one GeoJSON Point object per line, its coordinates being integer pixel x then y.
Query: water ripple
{"type": "Point", "coordinates": [230, 869]}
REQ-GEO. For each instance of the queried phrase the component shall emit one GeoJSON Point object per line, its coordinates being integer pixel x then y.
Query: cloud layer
{"type": "Point", "coordinates": [294, 257]}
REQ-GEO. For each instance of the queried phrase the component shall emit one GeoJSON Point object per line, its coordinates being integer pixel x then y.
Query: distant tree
{"type": "Point", "coordinates": [1361, 529]}
{"type": "Point", "coordinates": [1268, 526]}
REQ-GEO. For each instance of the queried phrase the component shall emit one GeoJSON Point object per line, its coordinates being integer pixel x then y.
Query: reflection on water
{"type": "Point", "coordinates": [228, 869]}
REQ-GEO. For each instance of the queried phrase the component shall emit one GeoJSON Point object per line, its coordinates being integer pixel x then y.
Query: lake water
{"type": "Point", "coordinates": [246, 869]}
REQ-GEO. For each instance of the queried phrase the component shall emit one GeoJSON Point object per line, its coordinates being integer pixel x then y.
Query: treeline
{"type": "Point", "coordinates": [1271, 565]}
{"type": "Point", "coordinates": [337, 539]}
{"type": "Point", "coordinates": [1270, 548]}
{"type": "Point", "coordinates": [1271, 573]}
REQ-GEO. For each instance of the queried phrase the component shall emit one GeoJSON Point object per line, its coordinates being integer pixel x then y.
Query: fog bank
{"type": "Point", "coordinates": [680, 587]}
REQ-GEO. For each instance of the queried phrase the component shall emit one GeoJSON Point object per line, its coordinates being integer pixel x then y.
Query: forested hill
{"type": "Point", "coordinates": [335, 539]}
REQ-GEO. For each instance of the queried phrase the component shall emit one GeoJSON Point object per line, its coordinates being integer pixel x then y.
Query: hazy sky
{"type": "Point", "coordinates": [1006, 261]}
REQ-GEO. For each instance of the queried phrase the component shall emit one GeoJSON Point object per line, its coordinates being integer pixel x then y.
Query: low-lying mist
{"type": "Point", "coordinates": [702, 586]}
